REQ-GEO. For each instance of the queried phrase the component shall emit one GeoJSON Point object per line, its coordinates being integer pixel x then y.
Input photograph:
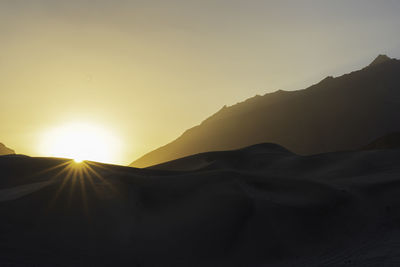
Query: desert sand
{"type": "Point", "coordinates": [258, 206]}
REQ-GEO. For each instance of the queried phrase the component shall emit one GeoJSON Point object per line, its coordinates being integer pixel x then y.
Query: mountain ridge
{"type": "Point", "coordinates": [379, 60]}
{"type": "Point", "coordinates": [5, 150]}
{"type": "Point", "coordinates": [305, 121]}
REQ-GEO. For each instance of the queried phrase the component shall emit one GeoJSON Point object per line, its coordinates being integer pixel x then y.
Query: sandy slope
{"type": "Point", "coordinates": [260, 206]}
{"type": "Point", "coordinates": [389, 141]}
{"type": "Point", "coordinates": [20, 191]}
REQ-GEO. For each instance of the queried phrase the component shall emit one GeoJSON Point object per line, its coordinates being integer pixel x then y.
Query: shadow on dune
{"type": "Point", "coordinates": [257, 206]}
{"type": "Point", "coordinates": [390, 141]}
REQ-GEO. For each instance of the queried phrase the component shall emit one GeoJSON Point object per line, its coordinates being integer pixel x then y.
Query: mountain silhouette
{"type": "Point", "coordinates": [5, 150]}
{"type": "Point", "coordinates": [380, 59]}
{"type": "Point", "coordinates": [342, 113]}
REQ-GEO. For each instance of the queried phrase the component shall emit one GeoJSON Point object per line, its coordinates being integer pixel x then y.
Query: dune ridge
{"type": "Point", "coordinates": [257, 206]}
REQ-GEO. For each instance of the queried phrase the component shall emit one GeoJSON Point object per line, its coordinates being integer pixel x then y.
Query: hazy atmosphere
{"type": "Point", "coordinates": [144, 71]}
{"type": "Point", "coordinates": [182, 133]}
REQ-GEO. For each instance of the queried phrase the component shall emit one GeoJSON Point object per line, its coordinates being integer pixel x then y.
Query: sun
{"type": "Point", "coordinates": [81, 141]}
{"type": "Point", "coordinates": [78, 160]}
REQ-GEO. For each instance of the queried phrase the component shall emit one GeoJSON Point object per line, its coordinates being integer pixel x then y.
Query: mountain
{"type": "Point", "coordinates": [5, 150]}
{"type": "Point", "coordinates": [257, 206]}
{"type": "Point", "coordinates": [341, 113]}
{"type": "Point", "coordinates": [380, 59]}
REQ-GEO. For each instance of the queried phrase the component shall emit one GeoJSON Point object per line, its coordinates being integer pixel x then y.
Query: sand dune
{"type": "Point", "coordinates": [389, 141]}
{"type": "Point", "coordinates": [20, 191]}
{"type": "Point", "coordinates": [253, 157]}
{"type": "Point", "coordinates": [258, 206]}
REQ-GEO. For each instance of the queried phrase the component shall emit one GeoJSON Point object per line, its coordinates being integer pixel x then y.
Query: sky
{"type": "Point", "coordinates": [148, 70]}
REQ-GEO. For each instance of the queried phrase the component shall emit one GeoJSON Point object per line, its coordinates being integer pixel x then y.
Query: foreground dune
{"type": "Point", "coordinates": [259, 206]}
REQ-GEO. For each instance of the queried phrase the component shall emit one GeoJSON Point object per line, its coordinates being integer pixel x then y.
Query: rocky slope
{"type": "Point", "coordinates": [342, 113]}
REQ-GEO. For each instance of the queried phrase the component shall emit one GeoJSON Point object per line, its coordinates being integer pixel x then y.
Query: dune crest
{"type": "Point", "coordinates": [257, 206]}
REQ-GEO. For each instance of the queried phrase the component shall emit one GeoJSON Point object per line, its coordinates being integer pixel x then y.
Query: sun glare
{"type": "Point", "coordinates": [81, 141]}
{"type": "Point", "coordinates": [78, 160]}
